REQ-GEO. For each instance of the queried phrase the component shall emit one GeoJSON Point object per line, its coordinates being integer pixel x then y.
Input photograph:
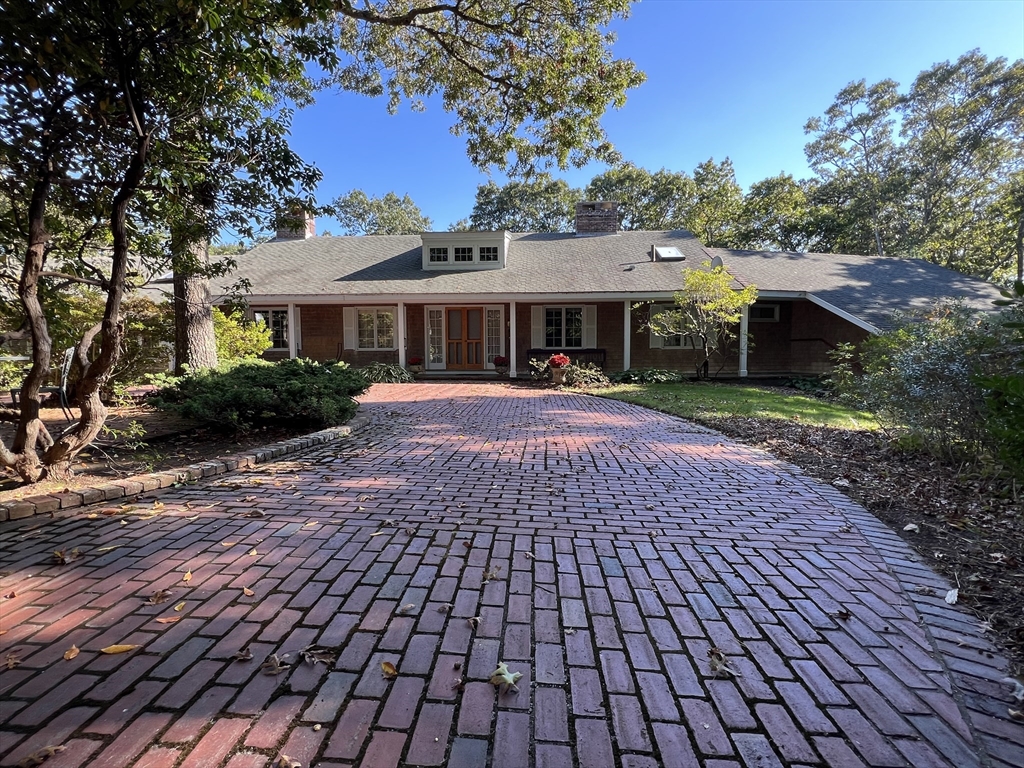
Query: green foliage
{"type": "Point", "coordinates": [1004, 403]}
{"type": "Point", "coordinates": [360, 214]}
{"type": "Point", "coordinates": [239, 338]}
{"type": "Point", "coordinates": [540, 204]}
{"type": "Point", "coordinates": [647, 201]}
{"type": "Point", "coordinates": [708, 308]}
{"type": "Point", "coordinates": [386, 373]}
{"type": "Point", "coordinates": [585, 376]}
{"type": "Point", "coordinates": [539, 369]}
{"type": "Point", "coordinates": [718, 204]}
{"type": "Point", "coordinates": [12, 374]}
{"type": "Point", "coordinates": [645, 376]}
{"type": "Point", "coordinates": [708, 402]}
{"type": "Point", "coordinates": [258, 393]}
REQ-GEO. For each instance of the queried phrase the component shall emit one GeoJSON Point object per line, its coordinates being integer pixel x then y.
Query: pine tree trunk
{"type": "Point", "coordinates": [195, 345]}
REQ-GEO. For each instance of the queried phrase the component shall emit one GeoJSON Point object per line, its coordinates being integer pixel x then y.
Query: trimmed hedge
{"type": "Point", "coordinates": [257, 393]}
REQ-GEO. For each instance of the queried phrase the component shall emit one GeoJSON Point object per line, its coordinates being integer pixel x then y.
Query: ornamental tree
{"type": "Point", "coordinates": [708, 310]}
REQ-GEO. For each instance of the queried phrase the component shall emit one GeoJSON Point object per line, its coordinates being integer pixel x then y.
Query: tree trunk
{"type": "Point", "coordinates": [195, 344]}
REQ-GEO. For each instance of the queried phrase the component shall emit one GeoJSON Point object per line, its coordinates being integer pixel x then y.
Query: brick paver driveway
{"type": "Point", "coordinates": [601, 550]}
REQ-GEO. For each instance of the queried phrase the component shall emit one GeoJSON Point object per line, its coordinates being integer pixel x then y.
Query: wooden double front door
{"type": "Point", "coordinates": [465, 338]}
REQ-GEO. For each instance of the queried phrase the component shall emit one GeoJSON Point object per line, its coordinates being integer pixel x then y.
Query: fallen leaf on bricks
{"type": "Point", "coordinates": [952, 596]}
{"type": "Point", "coordinates": [503, 677]}
{"type": "Point", "coordinates": [283, 761]}
{"type": "Point", "coordinates": [528, 555]}
{"type": "Point", "coordinates": [12, 660]}
{"type": "Point", "coordinates": [912, 527]}
{"type": "Point", "coordinates": [160, 596]}
{"type": "Point", "coordinates": [377, 533]}
{"type": "Point", "coordinates": [407, 607]}
{"type": "Point", "coordinates": [1015, 714]}
{"type": "Point", "coordinates": [71, 652]}
{"type": "Point", "coordinates": [444, 607]}
{"type": "Point", "coordinates": [254, 512]}
{"type": "Point", "coordinates": [649, 507]}
{"type": "Point", "coordinates": [273, 665]}
{"type": "Point", "coordinates": [492, 575]}
{"type": "Point", "coordinates": [158, 505]}
{"type": "Point", "coordinates": [10, 595]}
{"type": "Point", "coordinates": [247, 592]}
{"type": "Point", "coordinates": [109, 549]}
{"type": "Point", "coordinates": [719, 663]}
{"type": "Point", "coordinates": [39, 757]}
{"type": "Point", "coordinates": [366, 497]}
{"type": "Point", "coordinates": [180, 606]}
{"type": "Point", "coordinates": [842, 613]}
{"type": "Point", "coordinates": [228, 543]}
{"type": "Point", "coordinates": [243, 655]}
{"type": "Point", "coordinates": [168, 619]}
{"type": "Point", "coordinates": [314, 654]}
{"type": "Point", "coordinates": [388, 669]}
{"type": "Point", "coordinates": [187, 577]}
{"type": "Point", "coordinates": [1018, 688]}
{"type": "Point", "coordinates": [570, 631]}
{"type": "Point", "coordinates": [253, 553]}
{"type": "Point", "coordinates": [311, 522]}
{"type": "Point", "coordinates": [63, 556]}
{"type": "Point", "coordinates": [473, 622]}
{"type": "Point", "coordinates": [112, 649]}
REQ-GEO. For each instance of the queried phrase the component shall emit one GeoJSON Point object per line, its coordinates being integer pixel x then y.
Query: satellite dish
{"type": "Point", "coordinates": [716, 261]}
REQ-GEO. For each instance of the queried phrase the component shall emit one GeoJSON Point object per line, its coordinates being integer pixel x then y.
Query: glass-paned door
{"type": "Point", "coordinates": [435, 337]}
{"type": "Point", "coordinates": [465, 338]}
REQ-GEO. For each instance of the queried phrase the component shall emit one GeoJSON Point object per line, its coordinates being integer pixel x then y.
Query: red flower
{"type": "Point", "coordinates": [558, 361]}
{"type": "Point", "coordinates": [415, 360]}
{"type": "Point", "coordinates": [500, 360]}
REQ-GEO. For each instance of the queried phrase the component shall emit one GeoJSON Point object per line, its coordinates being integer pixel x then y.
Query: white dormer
{"type": "Point", "coordinates": [465, 250]}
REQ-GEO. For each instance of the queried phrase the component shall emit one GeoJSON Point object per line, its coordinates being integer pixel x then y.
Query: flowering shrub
{"type": "Point", "coordinates": [558, 361]}
{"type": "Point", "coordinates": [500, 360]}
{"type": "Point", "coordinates": [415, 360]}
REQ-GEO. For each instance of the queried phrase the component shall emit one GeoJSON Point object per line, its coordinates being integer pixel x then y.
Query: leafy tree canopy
{"type": "Point", "coordinates": [389, 214]}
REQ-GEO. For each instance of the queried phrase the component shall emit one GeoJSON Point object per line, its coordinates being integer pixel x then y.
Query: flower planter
{"type": "Point", "coordinates": [416, 369]}
{"type": "Point", "coordinates": [558, 375]}
{"type": "Point", "coordinates": [501, 370]}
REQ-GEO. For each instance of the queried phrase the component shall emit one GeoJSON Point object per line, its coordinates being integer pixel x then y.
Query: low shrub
{"type": "Point", "coordinates": [585, 376]}
{"type": "Point", "coordinates": [386, 373]}
{"type": "Point", "coordinates": [257, 393]}
{"type": "Point", "coordinates": [646, 376]}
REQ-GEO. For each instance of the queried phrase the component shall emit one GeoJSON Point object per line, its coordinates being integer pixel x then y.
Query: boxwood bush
{"type": "Point", "coordinates": [257, 393]}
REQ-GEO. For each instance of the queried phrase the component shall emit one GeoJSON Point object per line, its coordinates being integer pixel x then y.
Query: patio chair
{"type": "Point", "coordinates": [61, 391]}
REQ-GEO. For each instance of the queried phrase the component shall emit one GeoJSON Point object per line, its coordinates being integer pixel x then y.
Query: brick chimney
{"type": "Point", "coordinates": [296, 226]}
{"type": "Point", "coordinates": [597, 218]}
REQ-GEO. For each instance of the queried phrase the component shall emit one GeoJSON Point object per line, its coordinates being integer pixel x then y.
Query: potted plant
{"type": "Point", "coordinates": [415, 363]}
{"type": "Point", "coordinates": [557, 363]}
{"type": "Point", "coordinates": [500, 364]}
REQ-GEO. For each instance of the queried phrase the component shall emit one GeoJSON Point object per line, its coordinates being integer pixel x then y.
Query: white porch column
{"type": "Point", "coordinates": [744, 323]}
{"type": "Point", "coordinates": [400, 332]}
{"type": "Point", "coordinates": [512, 340]}
{"type": "Point", "coordinates": [293, 332]}
{"type": "Point", "coordinates": [627, 334]}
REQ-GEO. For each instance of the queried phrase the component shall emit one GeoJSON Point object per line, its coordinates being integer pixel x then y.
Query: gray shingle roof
{"type": "Point", "coordinates": [552, 264]}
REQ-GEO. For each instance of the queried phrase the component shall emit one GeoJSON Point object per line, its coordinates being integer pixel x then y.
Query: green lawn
{"type": "Point", "coordinates": [709, 400]}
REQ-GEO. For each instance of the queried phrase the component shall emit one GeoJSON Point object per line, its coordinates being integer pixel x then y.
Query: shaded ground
{"type": "Point", "coordinates": [614, 556]}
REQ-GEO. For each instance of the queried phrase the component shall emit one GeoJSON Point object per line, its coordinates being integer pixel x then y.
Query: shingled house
{"type": "Point", "coordinates": [459, 299]}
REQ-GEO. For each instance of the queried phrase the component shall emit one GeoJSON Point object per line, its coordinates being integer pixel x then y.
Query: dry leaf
{"type": "Point", "coordinates": [843, 614]}
{"type": "Point", "coordinates": [473, 622]}
{"type": "Point", "coordinates": [389, 670]}
{"type": "Point", "coordinates": [952, 596]}
{"type": "Point", "coordinates": [528, 555]}
{"type": "Point", "coordinates": [253, 553]}
{"type": "Point", "coordinates": [311, 522]}
{"type": "Point", "coordinates": [10, 595]}
{"type": "Point", "coordinates": [254, 512]}
{"type": "Point", "coordinates": [158, 505]}
{"type": "Point", "coordinates": [444, 607]}
{"type": "Point", "coordinates": [188, 576]}
{"type": "Point", "coordinates": [407, 607]}
{"type": "Point", "coordinates": [492, 575]}
{"type": "Point", "coordinates": [314, 654]}
{"type": "Point", "coordinates": [243, 655]}
{"type": "Point", "coordinates": [283, 761]}
{"type": "Point", "coordinates": [366, 497]}
{"type": "Point", "coordinates": [168, 619]}
{"type": "Point", "coordinates": [160, 596]}
{"type": "Point", "coordinates": [273, 665]}
{"type": "Point", "coordinates": [180, 606]}
{"type": "Point", "coordinates": [247, 592]}
{"type": "Point", "coordinates": [71, 652]}
{"type": "Point", "coordinates": [12, 660]}
{"type": "Point", "coordinates": [39, 756]}
{"type": "Point", "coordinates": [502, 677]}
{"type": "Point", "coordinates": [63, 556]}
{"type": "Point", "coordinates": [570, 631]}
{"type": "Point", "coordinates": [719, 663]}
{"type": "Point", "coordinates": [118, 649]}
{"type": "Point", "coordinates": [228, 543]}
{"type": "Point", "coordinates": [377, 533]}
{"type": "Point", "coordinates": [912, 527]}
{"type": "Point", "coordinates": [1015, 714]}
{"type": "Point", "coordinates": [108, 549]}
{"type": "Point", "coordinates": [1018, 688]}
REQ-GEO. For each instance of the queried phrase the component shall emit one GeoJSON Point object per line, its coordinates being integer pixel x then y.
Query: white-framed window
{"type": "Point", "coordinates": [763, 313]}
{"type": "Point", "coordinates": [277, 321]}
{"type": "Point", "coordinates": [563, 327]}
{"type": "Point", "coordinates": [439, 255]}
{"type": "Point", "coordinates": [488, 253]}
{"type": "Point", "coordinates": [463, 253]}
{"type": "Point", "coordinates": [676, 341]}
{"type": "Point", "coordinates": [375, 328]}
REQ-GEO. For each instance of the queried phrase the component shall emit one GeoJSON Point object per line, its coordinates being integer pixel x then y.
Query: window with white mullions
{"type": "Point", "coordinates": [488, 253]}
{"type": "Point", "coordinates": [439, 254]}
{"type": "Point", "coordinates": [277, 321]}
{"type": "Point", "coordinates": [376, 328]}
{"type": "Point", "coordinates": [563, 327]}
{"type": "Point", "coordinates": [463, 253]}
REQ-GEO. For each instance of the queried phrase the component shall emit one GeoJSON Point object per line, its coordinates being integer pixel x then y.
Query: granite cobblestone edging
{"type": "Point", "coordinates": [48, 503]}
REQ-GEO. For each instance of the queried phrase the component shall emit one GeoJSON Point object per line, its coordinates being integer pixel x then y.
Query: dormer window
{"type": "Point", "coordinates": [463, 254]}
{"type": "Point", "coordinates": [438, 255]}
{"type": "Point", "coordinates": [464, 251]}
{"type": "Point", "coordinates": [488, 253]}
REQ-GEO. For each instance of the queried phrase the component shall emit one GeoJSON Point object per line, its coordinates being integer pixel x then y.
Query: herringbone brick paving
{"type": "Point", "coordinates": [605, 549]}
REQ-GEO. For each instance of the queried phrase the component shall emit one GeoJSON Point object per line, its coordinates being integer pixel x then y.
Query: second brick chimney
{"type": "Point", "coordinates": [597, 218]}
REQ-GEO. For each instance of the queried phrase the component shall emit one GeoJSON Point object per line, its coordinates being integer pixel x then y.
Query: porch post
{"type": "Point", "coordinates": [744, 323]}
{"type": "Point", "coordinates": [293, 333]}
{"type": "Point", "coordinates": [511, 340]}
{"type": "Point", "coordinates": [400, 332]}
{"type": "Point", "coordinates": [627, 335]}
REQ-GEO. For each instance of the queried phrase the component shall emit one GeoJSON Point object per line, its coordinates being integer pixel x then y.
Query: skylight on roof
{"type": "Point", "coordinates": [667, 253]}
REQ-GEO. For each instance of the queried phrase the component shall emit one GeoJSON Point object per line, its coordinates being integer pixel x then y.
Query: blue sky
{"type": "Point", "coordinates": [727, 78]}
